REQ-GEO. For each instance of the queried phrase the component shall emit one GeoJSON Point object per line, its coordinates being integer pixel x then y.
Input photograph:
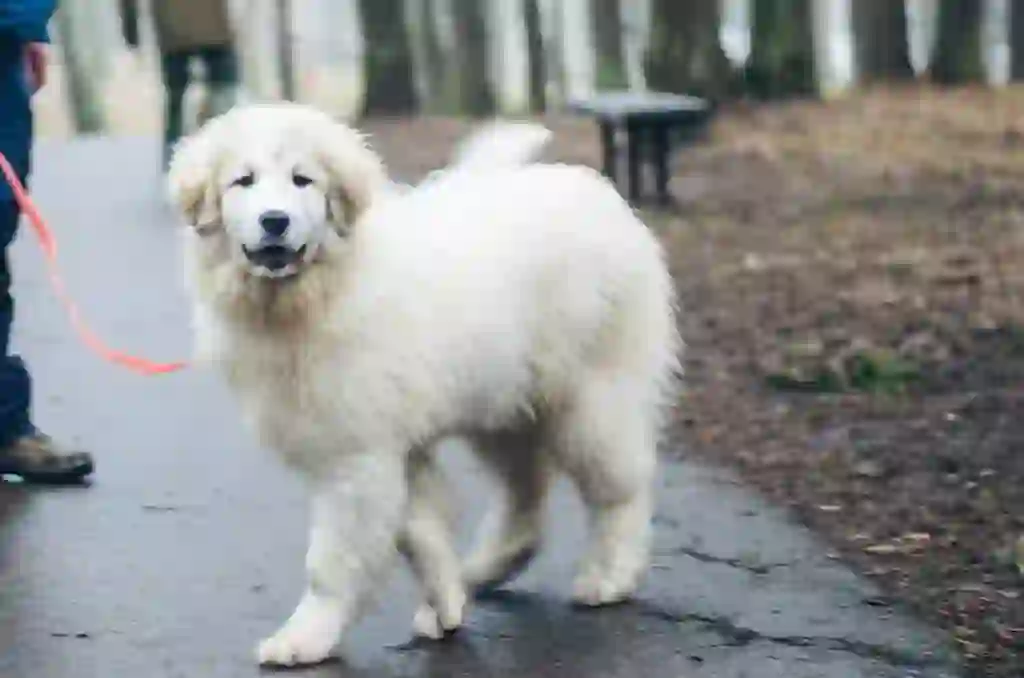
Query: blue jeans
{"type": "Point", "coordinates": [15, 383]}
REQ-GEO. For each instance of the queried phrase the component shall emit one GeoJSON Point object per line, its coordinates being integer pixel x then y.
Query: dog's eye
{"type": "Point", "coordinates": [244, 181]}
{"type": "Point", "coordinates": [301, 180]}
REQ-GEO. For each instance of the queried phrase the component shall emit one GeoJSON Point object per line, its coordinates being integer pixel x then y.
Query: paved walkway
{"type": "Point", "coordinates": [188, 547]}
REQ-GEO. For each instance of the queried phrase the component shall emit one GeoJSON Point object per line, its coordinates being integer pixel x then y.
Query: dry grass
{"type": "Point", "coordinates": [853, 274]}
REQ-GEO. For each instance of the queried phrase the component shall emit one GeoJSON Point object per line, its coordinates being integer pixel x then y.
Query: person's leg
{"type": "Point", "coordinates": [174, 66]}
{"type": "Point", "coordinates": [24, 451]}
{"type": "Point", "coordinates": [221, 65]}
{"type": "Point", "coordinates": [15, 385]}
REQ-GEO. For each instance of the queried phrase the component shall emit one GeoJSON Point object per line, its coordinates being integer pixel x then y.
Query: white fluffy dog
{"type": "Point", "coordinates": [521, 306]}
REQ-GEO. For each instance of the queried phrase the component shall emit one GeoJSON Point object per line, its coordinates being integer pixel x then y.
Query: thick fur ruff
{"type": "Point", "coordinates": [522, 306]}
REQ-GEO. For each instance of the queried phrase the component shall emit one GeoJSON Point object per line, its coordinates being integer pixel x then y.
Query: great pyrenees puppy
{"type": "Point", "coordinates": [523, 307]}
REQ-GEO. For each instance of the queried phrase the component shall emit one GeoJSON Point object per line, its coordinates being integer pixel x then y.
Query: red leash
{"type": "Point", "coordinates": [48, 243]}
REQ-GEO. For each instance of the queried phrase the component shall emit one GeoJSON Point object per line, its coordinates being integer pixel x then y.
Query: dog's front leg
{"type": "Point", "coordinates": [356, 515]}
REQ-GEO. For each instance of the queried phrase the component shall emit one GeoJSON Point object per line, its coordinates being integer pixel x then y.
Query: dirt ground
{"type": "Point", "coordinates": [852, 276]}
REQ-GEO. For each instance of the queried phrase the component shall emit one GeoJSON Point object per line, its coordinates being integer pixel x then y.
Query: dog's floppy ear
{"type": "Point", "coordinates": [355, 172]}
{"type": "Point", "coordinates": [190, 178]}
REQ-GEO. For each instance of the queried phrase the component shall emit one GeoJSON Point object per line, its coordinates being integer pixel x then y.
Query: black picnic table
{"type": "Point", "coordinates": [653, 121]}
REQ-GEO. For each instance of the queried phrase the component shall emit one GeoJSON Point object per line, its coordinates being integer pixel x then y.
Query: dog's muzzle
{"type": "Point", "coordinates": [275, 259]}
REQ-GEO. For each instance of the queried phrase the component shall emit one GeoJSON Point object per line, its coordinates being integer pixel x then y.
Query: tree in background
{"type": "Point", "coordinates": [476, 96]}
{"type": "Point", "coordinates": [552, 30]}
{"type": "Point", "coordinates": [1016, 40]}
{"type": "Point", "coordinates": [286, 49]}
{"type": "Point", "coordinates": [781, 49]}
{"type": "Point", "coordinates": [388, 60]}
{"type": "Point", "coordinates": [684, 53]}
{"type": "Point", "coordinates": [957, 56]}
{"type": "Point", "coordinates": [439, 85]}
{"type": "Point", "coordinates": [607, 27]}
{"type": "Point", "coordinates": [880, 39]}
{"type": "Point", "coordinates": [76, 30]}
{"type": "Point", "coordinates": [535, 53]}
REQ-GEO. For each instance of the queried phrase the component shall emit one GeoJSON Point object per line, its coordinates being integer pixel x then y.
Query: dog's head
{"type": "Point", "coordinates": [272, 187]}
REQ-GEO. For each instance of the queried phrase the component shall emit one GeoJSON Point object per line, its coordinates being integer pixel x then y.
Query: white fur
{"type": "Point", "coordinates": [524, 307]}
{"type": "Point", "coordinates": [501, 144]}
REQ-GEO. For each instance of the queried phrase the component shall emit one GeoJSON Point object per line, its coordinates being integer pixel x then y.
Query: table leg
{"type": "Point", "coordinates": [608, 149]}
{"type": "Point", "coordinates": [634, 140]}
{"type": "Point", "coordinates": [660, 151]}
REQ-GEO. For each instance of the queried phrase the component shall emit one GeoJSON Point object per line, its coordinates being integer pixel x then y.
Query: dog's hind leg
{"type": "Point", "coordinates": [510, 534]}
{"type": "Point", "coordinates": [606, 440]}
{"type": "Point", "coordinates": [428, 545]}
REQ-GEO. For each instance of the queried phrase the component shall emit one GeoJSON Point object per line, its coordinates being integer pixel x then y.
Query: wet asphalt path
{"type": "Point", "coordinates": [188, 546]}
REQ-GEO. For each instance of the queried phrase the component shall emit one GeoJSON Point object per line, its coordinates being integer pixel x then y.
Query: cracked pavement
{"type": "Point", "coordinates": [188, 547]}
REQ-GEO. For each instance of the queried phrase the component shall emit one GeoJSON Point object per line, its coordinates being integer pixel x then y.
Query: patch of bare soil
{"type": "Point", "coordinates": [852, 276]}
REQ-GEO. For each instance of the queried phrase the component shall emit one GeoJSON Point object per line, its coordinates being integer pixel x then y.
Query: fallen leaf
{"type": "Point", "coordinates": [917, 536]}
{"type": "Point", "coordinates": [880, 549]}
{"type": "Point", "coordinates": [868, 469]}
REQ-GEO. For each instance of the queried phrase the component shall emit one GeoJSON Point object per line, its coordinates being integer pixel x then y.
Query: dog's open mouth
{"type": "Point", "coordinates": [274, 258]}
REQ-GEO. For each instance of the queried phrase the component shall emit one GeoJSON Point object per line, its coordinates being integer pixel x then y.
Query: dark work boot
{"type": "Point", "coordinates": [37, 459]}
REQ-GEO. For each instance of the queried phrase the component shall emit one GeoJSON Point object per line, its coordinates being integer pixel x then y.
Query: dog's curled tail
{"type": "Point", "coordinates": [501, 144]}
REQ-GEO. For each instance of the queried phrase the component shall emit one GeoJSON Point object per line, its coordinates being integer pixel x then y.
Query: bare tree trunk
{"type": "Point", "coordinates": [782, 49]}
{"type": "Point", "coordinates": [508, 59]}
{"type": "Point", "coordinates": [476, 95]}
{"type": "Point", "coordinates": [607, 26]}
{"type": "Point", "coordinates": [684, 54]}
{"type": "Point", "coordinates": [957, 56]}
{"type": "Point", "coordinates": [82, 82]}
{"type": "Point", "coordinates": [257, 47]}
{"type": "Point", "coordinates": [880, 32]}
{"type": "Point", "coordinates": [286, 49]}
{"type": "Point", "coordinates": [535, 53]}
{"type": "Point", "coordinates": [553, 40]}
{"type": "Point", "coordinates": [388, 61]}
{"type": "Point", "coordinates": [444, 81]}
{"type": "Point", "coordinates": [437, 91]}
{"type": "Point", "coordinates": [1017, 40]}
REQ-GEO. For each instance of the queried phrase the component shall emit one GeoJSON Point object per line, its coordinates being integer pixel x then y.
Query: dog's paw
{"type": "Point", "coordinates": [596, 588]}
{"type": "Point", "coordinates": [293, 647]}
{"type": "Point", "coordinates": [436, 624]}
{"type": "Point", "coordinates": [426, 624]}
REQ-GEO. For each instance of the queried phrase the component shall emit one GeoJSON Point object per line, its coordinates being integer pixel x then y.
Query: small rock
{"type": "Point", "coordinates": [868, 469]}
{"type": "Point", "coordinates": [917, 537]}
{"type": "Point", "coordinates": [753, 262]}
{"type": "Point", "coordinates": [880, 549]}
{"type": "Point", "coordinates": [159, 508]}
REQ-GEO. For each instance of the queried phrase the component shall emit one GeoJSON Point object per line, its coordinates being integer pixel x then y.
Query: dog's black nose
{"type": "Point", "coordinates": [274, 222]}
